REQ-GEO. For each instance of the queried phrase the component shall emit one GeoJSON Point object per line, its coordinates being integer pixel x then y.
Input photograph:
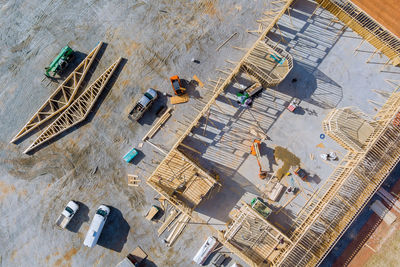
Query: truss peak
{"type": "Point", "coordinates": [77, 111]}
{"type": "Point", "coordinates": [62, 97]}
{"type": "Point", "coordinates": [270, 65]}
{"type": "Point", "coordinates": [349, 128]}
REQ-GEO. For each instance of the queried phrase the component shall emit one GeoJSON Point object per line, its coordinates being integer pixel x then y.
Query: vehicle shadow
{"type": "Point", "coordinates": [115, 231]}
{"type": "Point", "coordinates": [81, 216]}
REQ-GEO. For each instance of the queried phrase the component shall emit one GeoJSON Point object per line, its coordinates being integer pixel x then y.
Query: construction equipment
{"type": "Point", "coordinates": [143, 104]}
{"type": "Point", "coordinates": [258, 205]}
{"type": "Point", "coordinates": [177, 85]}
{"type": "Point", "coordinates": [255, 150]}
{"type": "Point", "coordinates": [60, 62]}
{"type": "Point", "coordinates": [301, 173]}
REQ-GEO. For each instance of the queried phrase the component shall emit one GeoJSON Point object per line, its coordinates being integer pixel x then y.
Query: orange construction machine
{"type": "Point", "coordinates": [177, 85]}
{"type": "Point", "coordinates": [255, 150]}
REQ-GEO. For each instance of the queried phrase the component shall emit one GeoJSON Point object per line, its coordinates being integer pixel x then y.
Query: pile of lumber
{"type": "Point", "coordinates": [158, 124]}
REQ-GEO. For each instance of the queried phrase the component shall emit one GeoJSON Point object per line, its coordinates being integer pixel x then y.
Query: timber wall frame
{"type": "Point", "coordinates": [354, 181]}
{"type": "Point", "coordinates": [340, 200]}
{"type": "Point", "coordinates": [266, 24]}
{"type": "Point", "coordinates": [364, 25]}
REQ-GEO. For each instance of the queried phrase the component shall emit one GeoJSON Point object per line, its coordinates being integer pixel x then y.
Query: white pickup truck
{"type": "Point", "coordinates": [143, 104]}
{"type": "Point", "coordinates": [67, 214]}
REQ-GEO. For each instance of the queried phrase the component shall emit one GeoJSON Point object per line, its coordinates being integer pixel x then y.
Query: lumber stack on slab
{"type": "Point", "coordinates": [171, 217]}
{"type": "Point", "coordinates": [158, 124]}
{"type": "Point", "coordinates": [183, 220]}
{"type": "Point", "coordinates": [62, 97]}
{"type": "Point", "coordinates": [78, 110]}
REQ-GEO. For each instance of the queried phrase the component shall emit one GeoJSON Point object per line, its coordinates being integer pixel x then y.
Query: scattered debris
{"type": "Point", "coordinates": [133, 180]}
{"type": "Point", "coordinates": [227, 40]}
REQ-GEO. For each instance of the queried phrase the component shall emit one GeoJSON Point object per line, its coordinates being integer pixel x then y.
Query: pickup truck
{"type": "Point", "coordinates": [67, 214]}
{"type": "Point", "coordinates": [143, 104]}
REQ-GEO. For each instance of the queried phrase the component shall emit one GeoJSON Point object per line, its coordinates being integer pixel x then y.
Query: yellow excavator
{"type": "Point", "coordinates": [255, 150]}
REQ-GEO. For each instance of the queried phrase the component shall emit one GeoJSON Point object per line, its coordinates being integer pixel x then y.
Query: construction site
{"type": "Point", "coordinates": [218, 133]}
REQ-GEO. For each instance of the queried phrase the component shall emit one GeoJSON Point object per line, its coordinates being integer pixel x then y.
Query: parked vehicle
{"type": "Point", "coordinates": [143, 104]}
{"type": "Point", "coordinates": [177, 85]}
{"type": "Point", "coordinates": [94, 232]}
{"type": "Point", "coordinates": [67, 214]}
{"type": "Point", "coordinates": [206, 249]}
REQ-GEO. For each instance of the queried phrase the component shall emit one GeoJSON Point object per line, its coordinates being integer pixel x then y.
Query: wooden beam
{"type": "Point", "coordinates": [227, 40]}
{"type": "Point", "coordinates": [157, 125]}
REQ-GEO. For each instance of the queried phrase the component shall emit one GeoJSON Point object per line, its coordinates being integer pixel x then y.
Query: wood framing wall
{"type": "Point", "coordinates": [253, 237]}
{"type": "Point", "coordinates": [339, 201]}
{"type": "Point", "coordinates": [364, 25]}
{"type": "Point", "coordinates": [265, 25]}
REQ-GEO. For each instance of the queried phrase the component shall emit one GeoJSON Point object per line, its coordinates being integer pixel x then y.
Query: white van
{"type": "Point", "coordinates": [206, 249]}
{"type": "Point", "coordinates": [96, 226]}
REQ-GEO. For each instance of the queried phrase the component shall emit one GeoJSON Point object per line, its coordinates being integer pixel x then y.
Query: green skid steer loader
{"type": "Point", "coordinates": [60, 62]}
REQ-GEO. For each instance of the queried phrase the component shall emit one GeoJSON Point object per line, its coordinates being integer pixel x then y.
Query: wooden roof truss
{"type": "Point", "coordinates": [260, 63]}
{"type": "Point", "coordinates": [181, 181]}
{"type": "Point", "coordinates": [62, 97]}
{"type": "Point", "coordinates": [78, 110]}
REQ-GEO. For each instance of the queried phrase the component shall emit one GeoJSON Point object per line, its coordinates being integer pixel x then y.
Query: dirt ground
{"type": "Point", "coordinates": [157, 39]}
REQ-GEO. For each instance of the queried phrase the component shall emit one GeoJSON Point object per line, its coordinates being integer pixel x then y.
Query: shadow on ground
{"type": "Point", "coordinates": [81, 216]}
{"type": "Point", "coordinates": [115, 231]}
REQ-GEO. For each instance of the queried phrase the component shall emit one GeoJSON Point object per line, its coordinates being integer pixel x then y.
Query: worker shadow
{"type": "Point", "coordinates": [81, 216]}
{"type": "Point", "coordinates": [115, 231]}
{"type": "Point", "coordinates": [91, 113]}
{"type": "Point", "coordinates": [269, 153]}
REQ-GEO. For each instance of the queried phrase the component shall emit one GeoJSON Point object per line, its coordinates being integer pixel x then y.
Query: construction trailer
{"type": "Point", "coordinates": [373, 151]}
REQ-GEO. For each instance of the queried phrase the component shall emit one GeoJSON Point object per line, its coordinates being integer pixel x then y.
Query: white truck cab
{"type": "Point", "coordinates": [67, 214]}
{"type": "Point", "coordinates": [96, 226]}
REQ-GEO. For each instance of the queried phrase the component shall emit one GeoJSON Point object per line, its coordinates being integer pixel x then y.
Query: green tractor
{"type": "Point", "coordinates": [60, 62]}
